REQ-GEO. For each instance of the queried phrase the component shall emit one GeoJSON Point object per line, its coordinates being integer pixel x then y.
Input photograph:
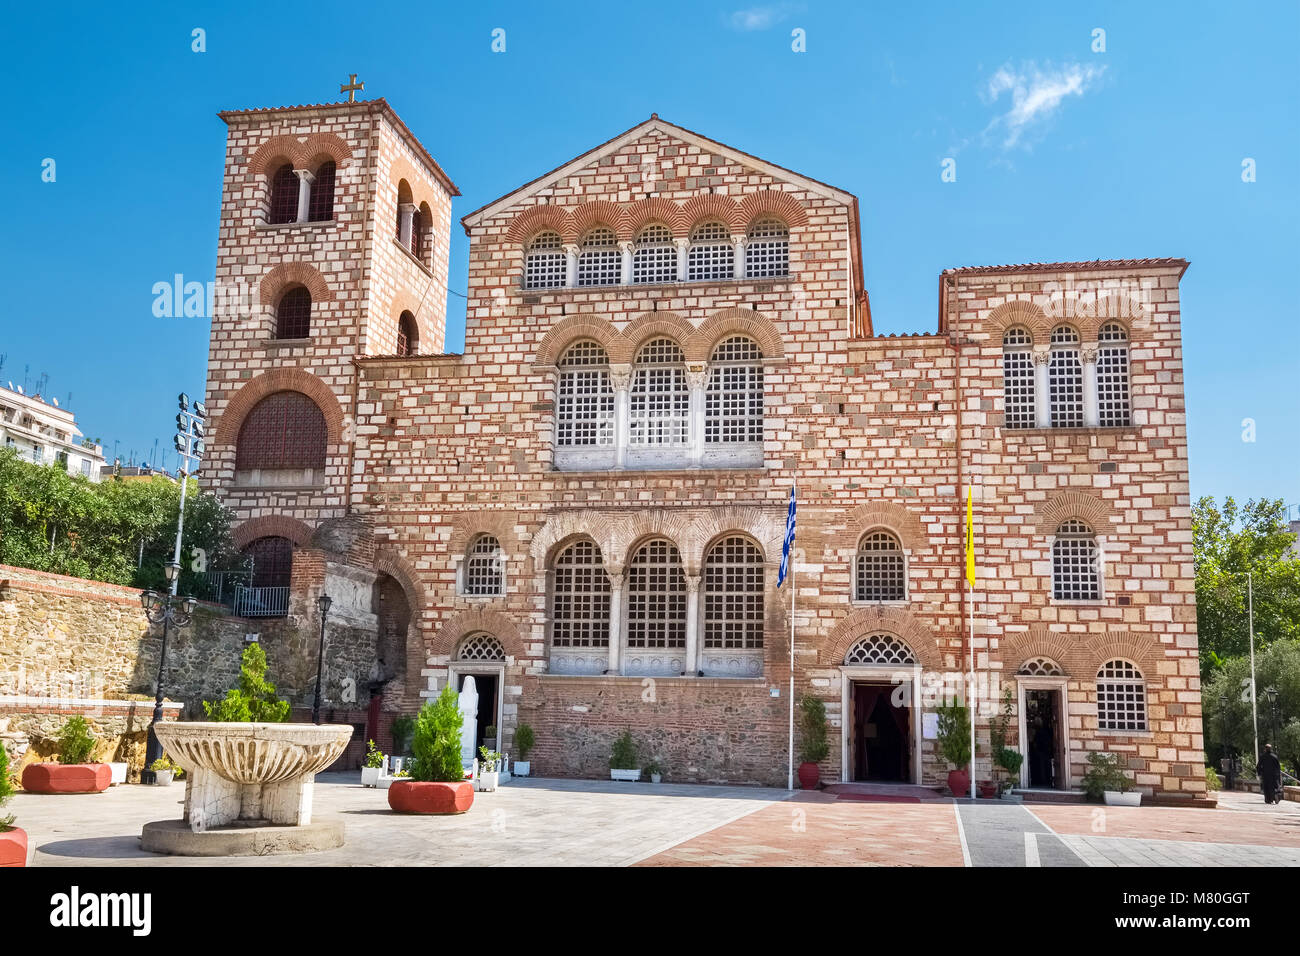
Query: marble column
{"type": "Point", "coordinates": [683, 253]}
{"type": "Point", "coordinates": [697, 379]}
{"type": "Point", "coordinates": [620, 378]}
{"type": "Point", "coordinates": [738, 257]}
{"type": "Point", "coordinates": [305, 179]}
{"type": "Point", "coordinates": [691, 665]}
{"type": "Point", "coordinates": [1042, 395]}
{"type": "Point", "coordinates": [626, 249]}
{"type": "Point", "coordinates": [1091, 411]}
{"type": "Point", "coordinates": [571, 266]}
{"type": "Point", "coordinates": [407, 221]}
{"type": "Point", "coordinates": [615, 619]}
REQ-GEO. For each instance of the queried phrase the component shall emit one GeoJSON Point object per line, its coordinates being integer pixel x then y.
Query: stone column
{"type": "Point", "coordinates": [407, 212]}
{"type": "Point", "coordinates": [691, 665]}
{"type": "Point", "coordinates": [626, 249]}
{"type": "Point", "coordinates": [620, 377]}
{"type": "Point", "coordinates": [1091, 412]}
{"type": "Point", "coordinates": [571, 268]}
{"type": "Point", "coordinates": [738, 257]}
{"type": "Point", "coordinates": [683, 247]}
{"type": "Point", "coordinates": [615, 619]}
{"type": "Point", "coordinates": [1042, 397]}
{"type": "Point", "coordinates": [305, 179]}
{"type": "Point", "coordinates": [697, 379]}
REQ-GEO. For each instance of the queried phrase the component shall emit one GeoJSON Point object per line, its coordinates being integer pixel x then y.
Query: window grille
{"type": "Point", "coordinates": [733, 595]}
{"type": "Point", "coordinates": [293, 314]}
{"type": "Point", "coordinates": [654, 255]}
{"type": "Point", "coordinates": [1018, 389]}
{"type": "Point", "coordinates": [733, 401]}
{"type": "Point", "coordinates": [481, 647]}
{"type": "Point", "coordinates": [711, 255]}
{"type": "Point", "coordinates": [767, 250]}
{"type": "Point", "coordinates": [1121, 697]}
{"type": "Point", "coordinates": [484, 568]}
{"type": "Point", "coordinates": [1076, 575]}
{"type": "Point", "coordinates": [656, 597]}
{"type": "Point", "coordinates": [599, 260]}
{"type": "Point", "coordinates": [321, 206]}
{"type": "Point", "coordinates": [408, 335]}
{"type": "Point", "coordinates": [1065, 379]}
{"type": "Point", "coordinates": [584, 404]}
{"type": "Point", "coordinates": [580, 598]}
{"type": "Point", "coordinates": [880, 649]}
{"type": "Point", "coordinates": [660, 400]}
{"type": "Point", "coordinates": [1041, 667]}
{"type": "Point", "coordinates": [546, 263]}
{"type": "Point", "coordinates": [272, 560]}
{"type": "Point", "coordinates": [284, 195]}
{"type": "Point", "coordinates": [285, 430]}
{"type": "Point", "coordinates": [1113, 403]}
{"type": "Point", "coordinates": [881, 571]}
{"type": "Point", "coordinates": [418, 227]}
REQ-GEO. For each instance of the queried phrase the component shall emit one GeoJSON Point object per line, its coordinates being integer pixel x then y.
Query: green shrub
{"type": "Point", "coordinates": [1212, 781]}
{"type": "Point", "coordinates": [401, 729]}
{"type": "Point", "coordinates": [254, 700]}
{"type": "Point", "coordinates": [75, 741]}
{"type": "Point", "coordinates": [436, 744]}
{"type": "Point", "coordinates": [488, 759]}
{"type": "Point", "coordinates": [623, 754]}
{"type": "Point", "coordinates": [1104, 774]}
{"type": "Point", "coordinates": [524, 741]}
{"type": "Point", "coordinates": [813, 747]}
{"type": "Point", "coordinates": [6, 790]}
{"type": "Point", "coordinates": [373, 756]}
{"type": "Point", "coordinates": [162, 763]}
{"type": "Point", "coordinates": [954, 735]}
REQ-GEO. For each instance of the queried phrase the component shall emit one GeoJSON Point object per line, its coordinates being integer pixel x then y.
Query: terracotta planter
{"type": "Point", "coordinates": [988, 789]}
{"type": "Point", "coordinates": [959, 783]}
{"type": "Point", "coordinates": [13, 847]}
{"type": "Point", "coordinates": [809, 775]}
{"type": "Point", "coordinates": [419, 796]}
{"type": "Point", "coordinates": [67, 778]}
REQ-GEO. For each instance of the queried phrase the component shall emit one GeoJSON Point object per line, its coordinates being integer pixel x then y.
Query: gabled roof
{"type": "Point", "coordinates": [654, 123]}
{"type": "Point", "coordinates": [1094, 266]}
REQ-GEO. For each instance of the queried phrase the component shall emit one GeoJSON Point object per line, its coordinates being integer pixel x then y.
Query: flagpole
{"type": "Point", "coordinates": [970, 696]}
{"type": "Point", "coordinates": [789, 783]}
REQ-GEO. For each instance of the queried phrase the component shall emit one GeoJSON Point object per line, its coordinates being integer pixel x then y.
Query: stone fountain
{"type": "Point", "coordinates": [248, 788]}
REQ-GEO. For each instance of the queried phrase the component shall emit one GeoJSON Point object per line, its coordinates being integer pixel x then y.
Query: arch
{"type": "Point", "coordinates": [532, 221]}
{"type": "Point", "coordinates": [773, 202]}
{"type": "Point", "coordinates": [289, 274]}
{"type": "Point", "coordinates": [700, 209]}
{"type": "Point", "coordinates": [766, 527]}
{"type": "Point", "coordinates": [888, 515]}
{"type": "Point", "coordinates": [736, 320]}
{"type": "Point", "coordinates": [302, 152]}
{"type": "Point", "coordinates": [1017, 312]}
{"type": "Point", "coordinates": [273, 153]}
{"type": "Point", "coordinates": [563, 529]}
{"type": "Point", "coordinates": [675, 528]}
{"type": "Point", "coordinates": [636, 216]}
{"type": "Point", "coordinates": [895, 621]}
{"type": "Point", "coordinates": [271, 526]}
{"type": "Point", "coordinates": [1055, 511]}
{"type": "Point", "coordinates": [651, 325]}
{"type": "Point", "coordinates": [879, 648]}
{"type": "Point", "coordinates": [468, 525]}
{"type": "Point", "coordinates": [395, 565]}
{"type": "Point", "coordinates": [588, 215]}
{"type": "Point", "coordinates": [1110, 305]}
{"type": "Point", "coordinates": [408, 334]}
{"type": "Point", "coordinates": [279, 380]}
{"type": "Point", "coordinates": [1064, 648]}
{"type": "Point", "coordinates": [572, 329]}
{"type": "Point", "coordinates": [480, 647]}
{"type": "Point", "coordinates": [1139, 648]}
{"type": "Point", "coordinates": [453, 630]}
{"type": "Point", "coordinates": [321, 147]}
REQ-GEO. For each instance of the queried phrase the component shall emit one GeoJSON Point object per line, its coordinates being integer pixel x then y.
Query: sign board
{"type": "Point", "coordinates": [930, 726]}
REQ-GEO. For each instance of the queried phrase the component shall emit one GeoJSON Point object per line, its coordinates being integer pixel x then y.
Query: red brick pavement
{"type": "Point", "coordinates": [1162, 823]}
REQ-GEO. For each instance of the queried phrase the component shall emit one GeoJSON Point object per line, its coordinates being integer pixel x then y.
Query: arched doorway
{"type": "Point", "coordinates": [881, 737]}
{"type": "Point", "coordinates": [482, 656]}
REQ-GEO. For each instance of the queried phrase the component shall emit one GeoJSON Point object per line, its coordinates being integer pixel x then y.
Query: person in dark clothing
{"type": "Point", "coordinates": [1270, 775]}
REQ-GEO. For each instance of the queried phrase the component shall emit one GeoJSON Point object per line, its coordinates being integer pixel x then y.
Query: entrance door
{"type": "Point", "coordinates": [486, 685]}
{"type": "Point", "coordinates": [882, 735]}
{"type": "Point", "coordinates": [1043, 732]}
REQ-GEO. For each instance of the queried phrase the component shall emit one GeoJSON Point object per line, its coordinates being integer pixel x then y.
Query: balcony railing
{"type": "Point", "coordinates": [261, 602]}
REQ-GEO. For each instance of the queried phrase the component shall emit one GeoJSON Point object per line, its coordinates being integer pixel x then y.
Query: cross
{"type": "Point", "coordinates": [351, 87]}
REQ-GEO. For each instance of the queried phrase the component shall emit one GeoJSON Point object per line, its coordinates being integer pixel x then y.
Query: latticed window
{"type": "Point", "coordinates": [654, 255]}
{"type": "Point", "coordinates": [418, 238]}
{"type": "Point", "coordinates": [545, 263]}
{"type": "Point", "coordinates": [481, 647]}
{"type": "Point", "coordinates": [1018, 379]}
{"type": "Point", "coordinates": [321, 206]}
{"type": "Point", "coordinates": [484, 568]}
{"type": "Point", "coordinates": [580, 598]}
{"type": "Point", "coordinates": [660, 401]}
{"type": "Point", "coordinates": [408, 335]}
{"type": "Point", "coordinates": [284, 195]}
{"type": "Point", "coordinates": [767, 250]}
{"type": "Point", "coordinates": [284, 430]}
{"type": "Point", "coordinates": [599, 259]}
{"type": "Point", "coordinates": [1121, 697]}
{"type": "Point", "coordinates": [272, 562]}
{"type": "Point", "coordinates": [293, 314]}
{"type": "Point", "coordinates": [1065, 379]}
{"type": "Point", "coordinates": [733, 402]}
{"type": "Point", "coordinates": [733, 595]}
{"type": "Point", "coordinates": [584, 402]}
{"type": "Point", "coordinates": [656, 597]}
{"type": "Point", "coordinates": [711, 254]}
{"type": "Point", "coordinates": [1113, 405]}
{"type": "Point", "coordinates": [881, 573]}
{"type": "Point", "coordinates": [880, 649]}
{"type": "Point", "coordinates": [1076, 575]}
{"type": "Point", "coordinates": [1041, 667]}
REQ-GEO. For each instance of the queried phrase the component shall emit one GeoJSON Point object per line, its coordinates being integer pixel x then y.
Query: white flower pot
{"type": "Point", "coordinates": [119, 773]}
{"type": "Point", "coordinates": [163, 778]}
{"type": "Point", "coordinates": [655, 777]}
{"type": "Point", "coordinates": [370, 776]}
{"type": "Point", "coordinates": [521, 768]}
{"type": "Point", "coordinates": [627, 775]}
{"type": "Point", "coordinates": [486, 781]}
{"type": "Point", "coordinates": [1130, 798]}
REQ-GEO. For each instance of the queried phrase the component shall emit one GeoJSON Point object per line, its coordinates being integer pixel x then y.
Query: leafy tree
{"type": "Point", "coordinates": [813, 747]}
{"type": "Point", "coordinates": [1228, 542]}
{"type": "Point", "coordinates": [436, 744]}
{"type": "Point", "coordinates": [254, 699]}
{"type": "Point", "coordinates": [1277, 666]}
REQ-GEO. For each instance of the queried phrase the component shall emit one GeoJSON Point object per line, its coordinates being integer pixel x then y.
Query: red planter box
{"type": "Point", "coordinates": [809, 775]}
{"type": "Point", "coordinates": [418, 796]}
{"type": "Point", "coordinates": [13, 847]}
{"type": "Point", "coordinates": [67, 778]}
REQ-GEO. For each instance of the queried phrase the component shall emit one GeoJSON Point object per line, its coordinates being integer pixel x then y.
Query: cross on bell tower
{"type": "Point", "coordinates": [351, 87]}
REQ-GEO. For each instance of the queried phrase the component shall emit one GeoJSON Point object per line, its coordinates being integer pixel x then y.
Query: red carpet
{"type": "Point", "coordinates": [877, 798]}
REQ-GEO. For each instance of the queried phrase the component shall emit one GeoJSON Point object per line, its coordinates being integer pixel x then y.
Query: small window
{"type": "Point", "coordinates": [881, 569]}
{"type": "Point", "coordinates": [1041, 667]}
{"type": "Point", "coordinates": [1018, 389]}
{"type": "Point", "coordinates": [285, 430]}
{"type": "Point", "coordinates": [712, 255]}
{"type": "Point", "coordinates": [284, 195]}
{"type": "Point", "coordinates": [321, 206]}
{"type": "Point", "coordinates": [659, 401]}
{"type": "Point", "coordinates": [481, 647]}
{"type": "Point", "coordinates": [1121, 697]}
{"type": "Point", "coordinates": [599, 259]}
{"type": "Point", "coordinates": [545, 263]}
{"type": "Point", "coordinates": [879, 649]}
{"type": "Point", "coordinates": [484, 568]}
{"type": "Point", "coordinates": [656, 597]}
{"type": "Point", "coordinates": [767, 250]}
{"type": "Point", "coordinates": [1113, 405]}
{"type": "Point", "coordinates": [271, 560]}
{"type": "Point", "coordinates": [1076, 575]}
{"type": "Point", "coordinates": [580, 598]}
{"type": "Point", "coordinates": [733, 595]}
{"type": "Point", "coordinates": [1065, 379]}
{"type": "Point", "coordinates": [408, 335]}
{"type": "Point", "coordinates": [418, 229]}
{"type": "Point", "coordinates": [293, 314]}
{"type": "Point", "coordinates": [584, 401]}
{"type": "Point", "coordinates": [654, 255]}
{"type": "Point", "coordinates": [733, 401]}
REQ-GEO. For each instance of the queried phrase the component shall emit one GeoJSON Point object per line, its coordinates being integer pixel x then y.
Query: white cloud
{"type": "Point", "coordinates": [1035, 95]}
{"type": "Point", "coordinates": [760, 18]}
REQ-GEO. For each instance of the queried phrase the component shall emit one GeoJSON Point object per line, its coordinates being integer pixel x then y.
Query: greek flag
{"type": "Point", "coordinates": [789, 542]}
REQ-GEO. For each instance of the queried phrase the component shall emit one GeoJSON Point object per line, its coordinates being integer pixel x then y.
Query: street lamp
{"type": "Point", "coordinates": [169, 611]}
{"type": "Point", "coordinates": [1271, 694]}
{"type": "Point", "coordinates": [323, 604]}
{"type": "Point", "coordinates": [1225, 752]}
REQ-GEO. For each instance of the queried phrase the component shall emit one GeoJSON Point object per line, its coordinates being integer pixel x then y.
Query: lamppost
{"type": "Point", "coordinates": [1225, 758]}
{"type": "Point", "coordinates": [169, 611]}
{"type": "Point", "coordinates": [1271, 694]}
{"type": "Point", "coordinates": [323, 604]}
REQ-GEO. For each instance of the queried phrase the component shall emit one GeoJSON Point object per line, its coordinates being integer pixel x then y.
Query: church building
{"type": "Point", "coordinates": [585, 510]}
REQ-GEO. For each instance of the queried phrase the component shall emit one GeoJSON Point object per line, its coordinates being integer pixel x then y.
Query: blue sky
{"type": "Point", "coordinates": [1061, 153]}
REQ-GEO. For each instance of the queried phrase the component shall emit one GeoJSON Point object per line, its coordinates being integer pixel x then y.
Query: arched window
{"type": "Point", "coordinates": [408, 335]}
{"type": "Point", "coordinates": [1018, 398]}
{"type": "Point", "coordinates": [1076, 571]}
{"type": "Point", "coordinates": [321, 206]}
{"type": "Point", "coordinates": [419, 227]}
{"type": "Point", "coordinates": [484, 568]}
{"type": "Point", "coordinates": [654, 255]}
{"type": "Point", "coordinates": [404, 201]}
{"type": "Point", "coordinates": [767, 249]}
{"type": "Point", "coordinates": [285, 430]}
{"type": "Point", "coordinates": [284, 195]}
{"type": "Point", "coordinates": [660, 401]}
{"type": "Point", "coordinates": [293, 314]}
{"type": "Point", "coordinates": [580, 598]}
{"type": "Point", "coordinates": [711, 255]}
{"type": "Point", "coordinates": [599, 260]}
{"type": "Point", "coordinates": [656, 596]}
{"type": "Point", "coordinates": [1121, 697]}
{"type": "Point", "coordinates": [733, 401]}
{"type": "Point", "coordinates": [481, 647]}
{"type": "Point", "coordinates": [545, 263]}
{"type": "Point", "coordinates": [733, 594]}
{"type": "Point", "coordinates": [1041, 667]}
{"type": "Point", "coordinates": [272, 562]}
{"type": "Point", "coordinates": [1113, 405]}
{"type": "Point", "coordinates": [584, 400]}
{"type": "Point", "coordinates": [1065, 379]}
{"type": "Point", "coordinates": [881, 573]}
{"type": "Point", "coordinates": [879, 649]}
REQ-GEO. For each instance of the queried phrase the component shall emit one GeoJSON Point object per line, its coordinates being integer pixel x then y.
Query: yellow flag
{"type": "Point", "coordinates": [970, 539]}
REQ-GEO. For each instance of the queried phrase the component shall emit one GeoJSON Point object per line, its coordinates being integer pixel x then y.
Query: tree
{"type": "Point", "coordinates": [1227, 543]}
{"type": "Point", "coordinates": [254, 699]}
{"type": "Point", "coordinates": [1276, 666]}
{"type": "Point", "coordinates": [436, 744]}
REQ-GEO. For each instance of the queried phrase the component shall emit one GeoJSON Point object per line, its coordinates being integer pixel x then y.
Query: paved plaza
{"type": "Point", "coordinates": [538, 822]}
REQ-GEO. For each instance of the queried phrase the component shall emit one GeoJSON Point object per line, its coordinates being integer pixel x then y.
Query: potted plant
{"type": "Point", "coordinates": [622, 759]}
{"type": "Point", "coordinates": [13, 840]}
{"type": "Point", "coordinates": [653, 771]}
{"type": "Point", "coordinates": [162, 771]}
{"type": "Point", "coordinates": [1005, 758]}
{"type": "Point", "coordinates": [437, 777]}
{"type": "Point", "coordinates": [400, 730]}
{"type": "Point", "coordinates": [489, 775]}
{"type": "Point", "coordinates": [490, 734]}
{"type": "Point", "coordinates": [524, 742]}
{"type": "Point", "coordinates": [813, 746]}
{"type": "Point", "coordinates": [73, 773]}
{"type": "Point", "coordinates": [373, 766]}
{"type": "Point", "coordinates": [954, 746]}
{"type": "Point", "coordinates": [1104, 780]}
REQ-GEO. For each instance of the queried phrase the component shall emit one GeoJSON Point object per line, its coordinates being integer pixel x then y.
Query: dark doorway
{"type": "Point", "coordinates": [486, 685]}
{"type": "Point", "coordinates": [882, 737]}
{"type": "Point", "coordinates": [1043, 729]}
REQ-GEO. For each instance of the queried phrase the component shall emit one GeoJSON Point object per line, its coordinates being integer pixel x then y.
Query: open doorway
{"type": "Point", "coordinates": [488, 686]}
{"type": "Point", "coordinates": [881, 734]}
{"type": "Point", "coordinates": [1043, 751]}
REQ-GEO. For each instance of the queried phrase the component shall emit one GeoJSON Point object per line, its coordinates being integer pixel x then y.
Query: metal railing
{"type": "Point", "coordinates": [261, 602]}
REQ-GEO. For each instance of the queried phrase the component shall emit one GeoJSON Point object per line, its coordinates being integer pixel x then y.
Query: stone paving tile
{"type": "Point", "coordinates": [1127, 851]}
{"type": "Point", "coordinates": [1264, 828]}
